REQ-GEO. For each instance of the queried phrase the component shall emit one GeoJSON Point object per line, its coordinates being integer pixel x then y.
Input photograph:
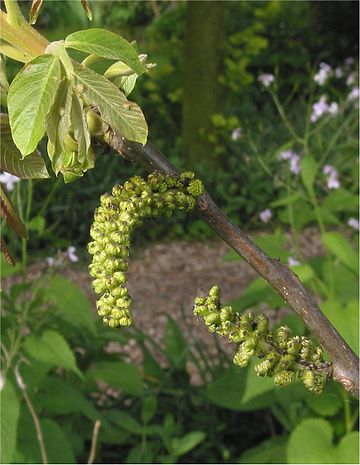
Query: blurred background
{"type": "Point", "coordinates": [242, 93]}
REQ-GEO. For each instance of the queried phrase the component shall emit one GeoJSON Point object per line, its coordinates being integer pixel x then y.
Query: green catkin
{"type": "Point", "coordinates": [115, 219]}
{"type": "Point", "coordinates": [284, 357]}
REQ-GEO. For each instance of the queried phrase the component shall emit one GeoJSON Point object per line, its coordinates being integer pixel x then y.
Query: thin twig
{"type": "Point", "coordinates": [94, 440]}
{"type": "Point", "coordinates": [279, 276]}
{"type": "Point", "coordinates": [30, 406]}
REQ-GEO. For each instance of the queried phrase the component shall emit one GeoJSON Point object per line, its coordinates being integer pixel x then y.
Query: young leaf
{"type": "Point", "coordinates": [126, 83]}
{"type": "Point", "coordinates": [81, 129]}
{"type": "Point", "coordinates": [58, 124]}
{"type": "Point", "coordinates": [107, 45]}
{"type": "Point", "coordinates": [181, 446]}
{"type": "Point", "coordinates": [31, 95]}
{"type": "Point", "coordinates": [123, 116]}
{"type": "Point", "coordinates": [51, 347]}
{"type": "Point", "coordinates": [10, 410]}
{"type": "Point", "coordinates": [8, 212]}
{"type": "Point", "coordinates": [32, 167]}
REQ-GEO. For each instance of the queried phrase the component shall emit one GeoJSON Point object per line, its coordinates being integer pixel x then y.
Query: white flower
{"type": "Point", "coordinates": [354, 94]}
{"type": "Point", "coordinates": [236, 134]}
{"type": "Point", "coordinates": [351, 79]}
{"type": "Point", "coordinates": [323, 74]}
{"type": "Point", "coordinates": [71, 253]}
{"type": "Point", "coordinates": [333, 177]}
{"type": "Point", "coordinates": [293, 262]}
{"type": "Point", "coordinates": [51, 261]}
{"type": "Point", "coordinates": [333, 108]}
{"type": "Point", "coordinates": [295, 164]}
{"type": "Point", "coordinates": [318, 109]}
{"type": "Point", "coordinates": [9, 180]}
{"type": "Point", "coordinates": [353, 223]}
{"type": "Point", "coordinates": [286, 155]}
{"type": "Point", "coordinates": [265, 215]}
{"type": "Point", "coordinates": [339, 72]}
{"type": "Point", "coordinates": [266, 79]}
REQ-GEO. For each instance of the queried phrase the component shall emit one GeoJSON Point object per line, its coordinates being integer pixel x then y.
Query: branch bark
{"type": "Point", "coordinates": [345, 367]}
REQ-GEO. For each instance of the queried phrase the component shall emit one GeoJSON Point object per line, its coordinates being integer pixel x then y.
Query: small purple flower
{"type": "Point", "coordinates": [9, 180]}
{"type": "Point", "coordinates": [293, 262]}
{"type": "Point", "coordinates": [339, 72]}
{"type": "Point", "coordinates": [323, 74]}
{"type": "Point", "coordinates": [333, 177]}
{"type": "Point", "coordinates": [265, 215]}
{"type": "Point", "coordinates": [353, 223]}
{"type": "Point", "coordinates": [319, 108]}
{"type": "Point", "coordinates": [71, 253]}
{"type": "Point", "coordinates": [266, 79]}
{"type": "Point", "coordinates": [236, 134]}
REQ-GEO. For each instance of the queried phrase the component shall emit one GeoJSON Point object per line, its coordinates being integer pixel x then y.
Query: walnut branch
{"type": "Point", "coordinates": [279, 276]}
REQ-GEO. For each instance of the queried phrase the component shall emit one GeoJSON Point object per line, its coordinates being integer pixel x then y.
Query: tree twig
{"type": "Point", "coordinates": [279, 276]}
{"type": "Point", "coordinates": [94, 440]}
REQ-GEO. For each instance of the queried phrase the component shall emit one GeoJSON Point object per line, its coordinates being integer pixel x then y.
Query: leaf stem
{"type": "Point", "coordinates": [94, 441]}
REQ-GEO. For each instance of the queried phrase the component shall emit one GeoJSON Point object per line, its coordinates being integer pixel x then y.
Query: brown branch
{"type": "Point", "coordinates": [279, 276]}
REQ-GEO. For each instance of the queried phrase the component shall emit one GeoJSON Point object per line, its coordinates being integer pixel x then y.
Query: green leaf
{"type": "Point", "coordinates": [240, 389]}
{"type": "Point", "coordinates": [348, 448]}
{"type": "Point", "coordinates": [341, 248]}
{"type": "Point", "coordinates": [287, 200]}
{"type": "Point", "coordinates": [56, 442]}
{"type": "Point", "coordinates": [81, 130]}
{"type": "Point", "coordinates": [345, 318]}
{"type": "Point", "coordinates": [148, 409]}
{"type": "Point", "coordinates": [52, 348]}
{"type": "Point", "coordinates": [308, 172]}
{"type": "Point", "coordinates": [10, 409]}
{"type": "Point", "coordinates": [340, 200]}
{"type": "Point", "coordinates": [57, 397]}
{"type": "Point", "coordinates": [124, 420]}
{"type": "Point", "coordinates": [311, 442]}
{"type": "Point", "coordinates": [126, 83]}
{"type": "Point", "coordinates": [37, 223]}
{"type": "Point", "coordinates": [176, 347]}
{"type": "Point", "coordinates": [270, 451]}
{"type": "Point", "coordinates": [58, 125]}
{"type": "Point", "coordinates": [32, 167]}
{"type": "Point", "coordinates": [180, 446]}
{"type": "Point", "coordinates": [121, 375]}
{"type": "Point", "coordinates": [105, 44]}
{"type": "Point", "coordinates": [329, 403]}
{"type": "Point", "coordinates": [31, 95]}
{"type": "Point", "coordinates": [71, 303]}
{"type": "Point", "coordinates": [122, 115]}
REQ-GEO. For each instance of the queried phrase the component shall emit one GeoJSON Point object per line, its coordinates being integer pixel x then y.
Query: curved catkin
{"type": "Point", "coordinates": [115, 219]}
{"type": "Point", "coordinates": [283, 356]}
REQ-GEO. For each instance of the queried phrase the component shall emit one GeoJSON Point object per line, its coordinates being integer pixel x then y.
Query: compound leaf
{"type": "Point", "coordinates": [31, 95]}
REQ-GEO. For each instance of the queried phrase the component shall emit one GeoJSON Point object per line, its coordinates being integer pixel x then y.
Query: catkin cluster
{"type": "Point", "coordinates": [283, 356]}
{"type": "Point", "coordinates": [114, 221]}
